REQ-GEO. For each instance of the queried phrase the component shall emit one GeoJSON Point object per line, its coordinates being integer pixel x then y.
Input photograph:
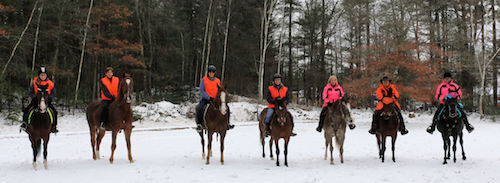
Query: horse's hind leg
{"type": "Point", "coordinates": [286, 150]}
{"type": "Point", "coordinates": [263, 143]}
{"type": "Point", "coordinates": [45, 144]}
{"type": "Point", "coordinates": [462, 145]}
{"type": "Point", "coordinates": [100, 135]}
{"type": "Point", "coordinates": [445, 146]}
{"type": "Point", "coordinates": [382, 152]}
{"type": "Point", "coordinates": [209, 147]}
{"type": "Point", "coordinates": [202, 145]}
{"type": "Point", "coordinates": [128, 132]}
{"type": "Point", "coordinates": [454, 148]}
{"type": "Point", "coordinates": [393, 147]}
{"type": "Point", "coordinates": [35, 145]}
{"type": "Point", "coordinates": [271, 148]}
{"type": "Point", "coordinates": [113, 145]}
{"type": "Point", "coordinates": [331, 151]}
{"type": "Point", "coordinates": [92, 141]}
{"type": "Point", "coordinates": [277, 152]}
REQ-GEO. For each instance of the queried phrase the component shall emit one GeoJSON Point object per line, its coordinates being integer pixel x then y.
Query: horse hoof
{"type": "Point", "coordinates": [272, 158]}
{"type": "Point", "coordinates": [464, 158]}
{"type": "Point", "coordinates": [331, 163]}
{"type": "Point", "coordinates": [444, 163]}
{"type": "Point", "coordinates": [132, 161]}
{"type": "Point", "coordinates": [111, 161]}
{"type": "Point", "coordinates": [45, 164]}
{"type": "Point", "coordinates": [342, 161]}
{"type": "Point", "coordinates": [222, 162]}
{"type": "Point", "coordinates": [34, 165]}
{"type": "Point", "coordinates": [207, 163]}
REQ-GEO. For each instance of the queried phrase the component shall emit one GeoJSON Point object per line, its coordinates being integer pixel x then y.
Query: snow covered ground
{"type": "Point", "coordinates": [166, 149]}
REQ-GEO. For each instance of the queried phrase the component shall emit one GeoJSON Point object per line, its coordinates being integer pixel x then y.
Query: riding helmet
{"type": "Point", "coordinates": [211, 68]}
{"type": "Point", "coordinates": [42, 70]}
{"type": "Point", "coordinates": [385, 78]}
{"type": "Point", "coordinates": [447, 75]}
{"type": "Point", "coordinates": [277, 75]}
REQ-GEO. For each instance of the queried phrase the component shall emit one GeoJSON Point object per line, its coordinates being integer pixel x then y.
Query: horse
{"type": "Point", "coordinates": [450, 125]}
{"type": "Point", "coordinates": [281, 128]}
{"type": "Point", "coordinates": [216, 120]}
{"type": "Point", "coordinates": [336, 118]}
{"type": "Point", "coordinates": [120, 117]}
{"type": "Point", "coordinates": [39, 123]}
{"type": "Point", "coordinates": [388, 125]}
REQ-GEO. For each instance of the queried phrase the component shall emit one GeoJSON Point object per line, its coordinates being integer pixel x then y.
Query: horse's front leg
{"type": "Point", "coordinates": [383, 148]}
{"type": "Point", "coordinates": [379, 146]}
{"type": "Point", "coordinates": [45, 144]}
{"type": "Point", "coordinates": [209, 147]}
{"type": "Point", "coordinates": [462, 145]}
{"type": "Point", "coordinates": [222, 136]}
{"type": "Point", "coordinates": [35, 150]}
{"type": "Point", "coordinates": [113, 145]}
{"type": "Point", "coordinates": [263, 143]}
{"type": "Point", "coordinates": [277, 152]}
{"type": "Point", "coordinates": [331, 150]}
{"type": "Point", "coordinates": [454, 148]}
{"type": "Point", "coordinates": [286, 150]}
{"type": "Point", "coordinates": [128, 132]}
{"type": "Point", "coordinates": [394, 147]}
{"type": "Point", "coordinates": [271, 148]}
{"type": "Point", "coordinates": [445, 146]}
{"type": "Point", "coordinates": [100, 136]}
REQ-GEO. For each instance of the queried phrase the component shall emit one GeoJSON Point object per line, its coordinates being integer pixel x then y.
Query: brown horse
{"type": "Point", "coordinates": [281, 128]}
{"type": "Point", "coordinates": [336, 118]}
{"type": "Point", "coordinates": [120, 117]}
{"type": "Point", "coordinates": [216, 120]}
{"type": "Point", "coordinates": [39, 123]}
{"type": "Point", "coordinates": [388, 125]}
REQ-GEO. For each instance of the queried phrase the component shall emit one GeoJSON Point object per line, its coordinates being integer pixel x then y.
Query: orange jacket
{"type": "Point", "coordinates": [211, 87]}
{"type": "Point", "coordinates": [390, 91]}
{"type": "Point", "coordinates": [275, 94]}
{"type": "Point", "coordinates": [47, 82]}
{"type": "Point", "coordinates": [109, 88]}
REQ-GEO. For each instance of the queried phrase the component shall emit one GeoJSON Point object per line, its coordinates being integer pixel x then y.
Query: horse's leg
{"type": "Point", "coordinates": [128, 132]}
{"type": "Point", "coordinates": [263, 142]}
{"type": "Point", "coordinates": [277, 152]}
{"type": "Point", "coordinates": [286, 150]}
{"type": "Point", "coordinates": [92, 140]}
{"type": "Point", "coordinates": [34, 143]}
{"type": "Point", "coordinates": [445, 146]}
{"type": "Point", "coordinates": [449, 148]}
{"type": "Point", "coordinates": [271, 148]}
{"type": "Point", "coordinates": [100, 135]}
{"type": "Point", "coordinates": [394, 146]}
{"type": "Point", "coordinates": [222, 136]}
{"type": "Point", "coordinates": [113, 145]}
{"type": "Point", "coordinates": [202, 144]}
{"type": "Point", "coordinates": [379, 145]}
{"type": "Point", "coordinates": [383, 147]}
{"type": "Point", "coordinates": [331, 150]}
{"type": "Point", "coordinates": [326, 148]}
{"type": "Point", "coordinates": [209, 147]}
{"type": "Point", "coordinates": [340, 141]}
{"type": "Point", "coordinates": [45, 144]}
{"type": "Point", "coordinates": [454, 148]}
{"type": "Point", "coordinates": [462, 145]}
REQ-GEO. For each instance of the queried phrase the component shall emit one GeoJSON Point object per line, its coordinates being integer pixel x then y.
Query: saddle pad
{"type": "Point", "coordinates": [33, 110]}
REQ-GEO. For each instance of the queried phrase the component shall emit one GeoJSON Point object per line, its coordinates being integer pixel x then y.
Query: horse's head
{"type": "Point", "coordinates": [126, 87]}
{"type": "Point", "coordinates": [280, 112]}
{"type": "Point", "coordinates": [340, 108]}
{"type": "Point", "coordinates": [221, 100]}
{"type": "Point", "coordinates": [389, 108]}
{"type": "Point", "coordinates": [451, 107]}
{"type": "Point", "coordinates": [42, 97]}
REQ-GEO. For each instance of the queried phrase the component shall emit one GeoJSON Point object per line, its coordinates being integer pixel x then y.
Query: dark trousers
{"type": "Point", "coordinates": [105, 110]}
{"type": "Point", "coordinates": [199, 115]}
{"type": "Point", "coordinates": [322, 117]}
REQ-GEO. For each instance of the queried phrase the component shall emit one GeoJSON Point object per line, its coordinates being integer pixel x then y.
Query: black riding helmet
{"type": "Point", "coordinates": [211, 68]}
{"type": "Point", "coordinates": [277, 75]}
{"type": "Point", "coordinates": [42, 70]}
{"type": "Point", "coordinates": [447, 75]}
{"type": "Point", "coordinates": [385, 78]}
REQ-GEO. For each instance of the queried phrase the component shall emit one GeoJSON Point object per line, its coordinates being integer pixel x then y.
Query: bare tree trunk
{"type": "Point", "coordinates": [225, 41]}
{"type": "Point", "coordinates": [281, 41]}
{"type": "Point", "coordinates": [83, 51]}
{"type": "Point", "coordinates": [265, 21]}
{"type": "Point", "coordinates": [183, 57]}
{"type": "Point", "coordinates": [290, 44]}
{"type": "Point", "coordinates": [209, 42]}
{"type": "Point", "coordinates": [495, 61]}
{"type": "Point", "coordinates": [207, 24]}
{"type": "Point", "coordinates": [20, 38]}
{"type": "Point", "coordinates": [58, 42]}
{"type": "Point", "coordinates": [36, 37]}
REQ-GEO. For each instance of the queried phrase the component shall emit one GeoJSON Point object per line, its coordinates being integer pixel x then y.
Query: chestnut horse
{"type": "Point", "coordinates": [388, 125]}
{"type": "Point", "coordinates": [281, 128]}
{"type": "Point", "coordinates": [120, 117]}
{"type": "Point", "coordinates": [451, 125]}
{"type": "Point", "coordinates": [337, 117]}
{"type": "Point", "coordinates": [39, 122]}
{"type": "Point", "coordinates": [216, 120]}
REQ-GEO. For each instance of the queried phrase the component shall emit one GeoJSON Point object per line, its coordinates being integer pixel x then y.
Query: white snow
{"type": "Point", "coordinates": [165, 151]}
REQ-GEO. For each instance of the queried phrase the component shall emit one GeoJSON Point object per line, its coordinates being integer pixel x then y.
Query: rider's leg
{"type": "Point", "coordinates": [293, 123]}
{"type": "Point", "coordinates": [375, 117]}
{"type": "Point", "coordinates": [105, 112]}
{"type": "Point", "coordinates": [229, 125]}
{"type": "Point", "coordinates": [402, 127]}
{"type": "Point", "coordinates": [53, 128]}
{"type": "Point", "coordinates": [199, 116]}
{"type": "Point", "coordinates": [268, 119]}
{"type": "Point", "coordinates": [26, 113]}
{"type": "Point", "coordinates": [468, 126]}
{"type": "Point", "coordinates": [431, 128]}
{"type": "Point", "coordinates": [321, 119]}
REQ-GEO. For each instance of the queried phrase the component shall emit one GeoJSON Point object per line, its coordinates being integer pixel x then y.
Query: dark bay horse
{"type": "Point", "coordinates": [120, 117]}
{"type": "Point", "coordinates": [281, 128]}
{"type": "Point", "coordinates": [39, 123]}
{"type": "Point", "coordinates": [216, 120]}
{"type": "Point", "coordinates": [451, 125]}
{"type": "Point", "coordinates": [337, 117]}
{"type": "Point", "coordinates": [388, 125]}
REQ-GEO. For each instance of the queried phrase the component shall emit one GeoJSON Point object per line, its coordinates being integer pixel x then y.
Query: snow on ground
{"type": "Point", "coordinates": [166, 153]}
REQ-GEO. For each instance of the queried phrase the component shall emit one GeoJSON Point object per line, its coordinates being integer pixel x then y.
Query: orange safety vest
{"type": "Point", "coordinates": [211, 87]}
{"type": "Point", "coordinates": [46, 82]}
{"type": "Point", "coordinates": [112, 87]}
{"type": "Point", "coordinates": [275, 94]}
{"type": "Point", "coordinates": [382, 92]}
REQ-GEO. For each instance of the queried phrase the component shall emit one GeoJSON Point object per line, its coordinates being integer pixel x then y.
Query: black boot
{"type": "Point", "coordinates": [374, 122]}
{"type": "Point", "coordinates": [431, 128]}
{"type": "Point", "coordinates": [468, 126]}
{"type": "Point", "coordinates": [293, 133]}
{"type": "Point", "coordinates": [321, 120]}
{"type": "Point", "coordinates": [53, 128]}
{"type": "Point", "coordinates": [268, 129]}
{"type": "Point", "coordinates": [402, 128]}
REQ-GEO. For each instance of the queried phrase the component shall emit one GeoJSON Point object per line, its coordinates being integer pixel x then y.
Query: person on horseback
{"type": "Point", "coordinates": [443, 91]}
{"type": "Point", "coordinates": [274, 92]}
{"type": "Point", "coordinates": [331, 93]}
{"type": "Point", "coordinates": [41, 80]}
{"type": "Point", "coordinates": [386, 89]}
{"type": "Point", "coordinates": [208, 90]}
{"type": "Point", "coordinates": [109, 91]}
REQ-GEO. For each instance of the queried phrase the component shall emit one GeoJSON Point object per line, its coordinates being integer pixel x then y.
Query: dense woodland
{"type": "Point", "coordinates": [167, 44]}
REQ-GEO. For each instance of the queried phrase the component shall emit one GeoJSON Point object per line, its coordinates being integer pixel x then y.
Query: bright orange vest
{"type": "Point", "coordinates": [382, 92]}
{"type": "Point", "coordinates": [275, 94]}
{"type": "Point", "coordinates": [112, 87]}
{"type": "Point", "coordinates": [46, 82]}
{"type": "Point", "coordinates": [211, 86]}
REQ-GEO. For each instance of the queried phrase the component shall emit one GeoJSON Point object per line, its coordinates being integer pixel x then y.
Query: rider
{"type": "Point", "coordinates": [448, 87]}
{"type": "Point", "coordinates": [109, 91]}
{"type": "Point", "coordinates": [41, 80]}
{"type": "Point", "coordinates": [209, 86]}
{"type": "Point", "coordinates": [331, 93]}
{"type": "Point", "coordinates": [386, 89]}
{"type": "Point", "coordinates": [276, 91]}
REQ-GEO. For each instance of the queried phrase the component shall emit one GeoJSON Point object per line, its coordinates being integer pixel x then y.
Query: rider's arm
{"type": "Point", "coordinates": [287, 97]}
{"type": "Point", "coordinates": [395, 92]}
{"type": "Point", "coordinates": [269, 98]}
{"type": "Point", "coordinates": [52, 93]}
{"type": "Point", "coordinates": [203, 93]}
{"type": "Point", "coordinates": [325, 93]}
{"type": "Point", "coordinates": [341, 92]}
{"type": "Point", "coordinates": [380, 95]}
{"type": "Point", "coordinates": [32, 91]}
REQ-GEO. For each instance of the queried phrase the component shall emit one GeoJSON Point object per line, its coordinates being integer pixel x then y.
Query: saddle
{"type": "Point", "coordinates": [31, 110]}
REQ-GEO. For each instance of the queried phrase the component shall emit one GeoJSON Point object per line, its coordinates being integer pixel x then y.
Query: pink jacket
{"type": "Point", "coordinates": [447, 88]}
{"type": "Point", "coordinates": [332, 94]}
